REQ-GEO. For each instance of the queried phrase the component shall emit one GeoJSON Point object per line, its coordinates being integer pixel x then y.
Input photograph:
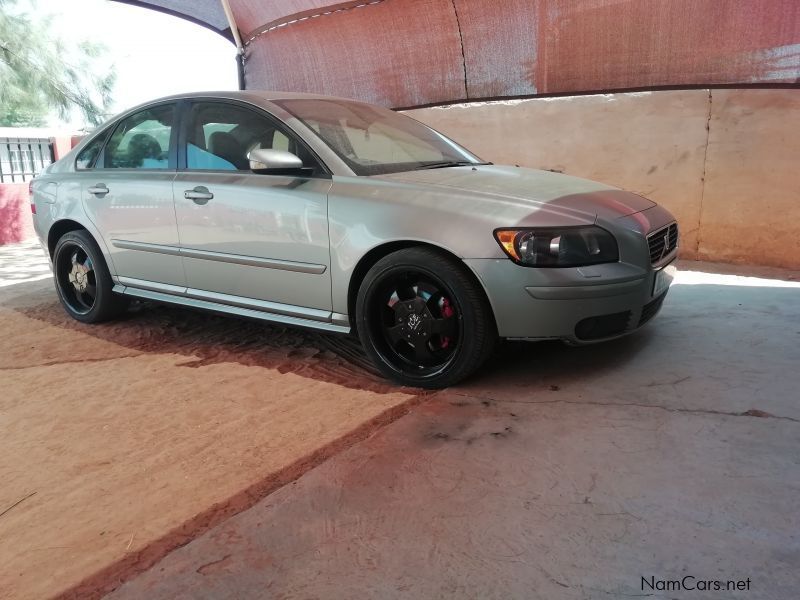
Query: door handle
{"type": "Point", "coordinates": [200, 194]}
{"type": "Point", "coordinates": [98, 190]}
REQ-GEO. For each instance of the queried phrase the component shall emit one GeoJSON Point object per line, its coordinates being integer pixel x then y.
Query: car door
{"type": "Point", "coordinates": [252, 240]}
{"type": "Point", "coordinates": [127, 194]}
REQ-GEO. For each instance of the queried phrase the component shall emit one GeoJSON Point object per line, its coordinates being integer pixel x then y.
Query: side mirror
{"type": "Point", "coordinates": [274, 162]}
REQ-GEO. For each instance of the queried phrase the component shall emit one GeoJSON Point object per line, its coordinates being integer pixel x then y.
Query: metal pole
{"type": "Point", "coordinates": [2, 145]}
{"type": "Point", "coordinates": [238, 41]}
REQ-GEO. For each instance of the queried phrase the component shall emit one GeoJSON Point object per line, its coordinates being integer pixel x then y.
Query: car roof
{"type": "Point", "coordinates": [248, 96]}
{"type": "Point", "coordinates": [262, 98]}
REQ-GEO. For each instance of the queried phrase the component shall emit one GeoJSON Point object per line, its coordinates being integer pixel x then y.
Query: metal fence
{"type": "Point", "coordinates": [21, 159]}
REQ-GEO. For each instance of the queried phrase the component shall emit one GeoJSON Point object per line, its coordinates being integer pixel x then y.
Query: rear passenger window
{"type": "Point", "coordinates": [88, 155]}
{"type": "Point", "coordinates": [142, 141]}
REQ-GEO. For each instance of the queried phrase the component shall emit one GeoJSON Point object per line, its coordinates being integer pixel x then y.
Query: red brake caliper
{"type": "Point", "coordinates": [447, 312]}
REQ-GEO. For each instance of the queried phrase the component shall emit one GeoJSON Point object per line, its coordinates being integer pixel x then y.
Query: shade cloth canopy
{"type": "Point", "coordinates": [208, 13]}
{"type": "Point", "coordinates": [407, 53]}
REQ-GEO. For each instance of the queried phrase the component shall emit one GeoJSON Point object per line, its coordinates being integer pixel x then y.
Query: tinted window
{"type": "Point", "coordinates": [142, 140]}
{"type": "Point", "coordinates": [89, 154]}
{"type": "Point", "coordinates": [222, 135]}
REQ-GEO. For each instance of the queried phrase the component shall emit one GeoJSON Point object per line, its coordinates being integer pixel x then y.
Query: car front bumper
{"type": "Point", "coordinates": [579, 305]}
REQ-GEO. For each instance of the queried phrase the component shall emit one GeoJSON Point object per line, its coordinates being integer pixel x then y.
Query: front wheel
{"type": "Point", "coordinates": [423, 320]}
{"type": "Point", "coordinates": [82, 279]}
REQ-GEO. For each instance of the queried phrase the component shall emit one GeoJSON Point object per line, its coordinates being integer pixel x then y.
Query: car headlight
{"type": "Point", "coordinates": [558, 246]}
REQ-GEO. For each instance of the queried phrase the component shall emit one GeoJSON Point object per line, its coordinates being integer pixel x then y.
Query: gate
{"type": "Point", "coordinates": [21, 159]}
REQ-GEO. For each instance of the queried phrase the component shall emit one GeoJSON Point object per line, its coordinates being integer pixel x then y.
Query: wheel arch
{"type": "Point", "coordinates": [62, 226]}
{"type": "Point", "coordinates": [375, 254]}
{"type": "Point", "coordinates": [58, 229]}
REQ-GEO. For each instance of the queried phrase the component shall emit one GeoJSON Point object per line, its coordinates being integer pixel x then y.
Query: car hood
{"type": "Point", "coordinates": [535, 192]}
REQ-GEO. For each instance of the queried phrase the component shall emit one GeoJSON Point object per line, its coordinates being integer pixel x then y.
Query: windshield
{"type": "Point", "coordinates": [374, 140]}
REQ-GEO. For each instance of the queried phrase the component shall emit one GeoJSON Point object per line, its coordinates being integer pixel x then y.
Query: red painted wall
{"type": "Point", "coordinates": [63, 144]}
{"type": "Point", "coordinates": [16, 223]}
{"type": "Point", "coordinates": [15, 213]}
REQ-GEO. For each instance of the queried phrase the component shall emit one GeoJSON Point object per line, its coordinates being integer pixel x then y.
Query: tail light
{"type": "Point", "coordinates": [30, 195]}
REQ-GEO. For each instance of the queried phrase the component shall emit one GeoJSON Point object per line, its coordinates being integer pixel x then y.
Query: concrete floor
{"type": "Point", "coordinates": [22, 263]}
{"type": "Point", "coordinates": [556, 473]}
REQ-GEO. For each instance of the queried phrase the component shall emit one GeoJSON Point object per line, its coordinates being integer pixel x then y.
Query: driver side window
{"type": "Point", "coordinates": [221, 136]}
{"type": "Point", "coordinates": [142, 140]}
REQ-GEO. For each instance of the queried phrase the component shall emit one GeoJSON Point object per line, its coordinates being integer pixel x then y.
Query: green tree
{"type": "Point", "coordinates": [39, 73]}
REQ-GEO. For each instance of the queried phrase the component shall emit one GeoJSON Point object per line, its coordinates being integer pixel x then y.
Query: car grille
{"type": "Point", "coordinates": [650, 309]}
{"type": "Point", "coordinates": [662, 242]}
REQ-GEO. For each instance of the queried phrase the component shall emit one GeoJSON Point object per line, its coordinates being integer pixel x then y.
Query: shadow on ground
{"type": "Point", "coordinates": [692, 340]}
{"type": "Point", "coordinates": [207, 339]}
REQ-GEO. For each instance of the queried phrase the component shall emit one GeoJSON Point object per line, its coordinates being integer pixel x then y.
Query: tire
{"type": "Point", "coordinates": [423, 319]}
{"type": "Point", "coordinates": [83, 281]}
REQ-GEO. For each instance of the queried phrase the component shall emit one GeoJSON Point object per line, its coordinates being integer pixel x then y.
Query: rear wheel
{"type": "Point", "coordinates": [423, 320]}
{"type": "Point", "coordinates": [83, 281]}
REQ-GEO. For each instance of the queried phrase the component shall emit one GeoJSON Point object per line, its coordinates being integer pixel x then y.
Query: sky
{"type": "Point", "coordinates": [154, 54]}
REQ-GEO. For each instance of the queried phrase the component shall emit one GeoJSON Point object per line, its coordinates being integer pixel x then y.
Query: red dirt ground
{"type": "Point", "coordinates": [126, 440]}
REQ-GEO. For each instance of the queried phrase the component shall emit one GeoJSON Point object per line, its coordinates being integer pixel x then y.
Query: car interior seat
{"type": "Point", "coordinates": [226, 146]}
{"type": "Point", "coordinates": [142, 146]}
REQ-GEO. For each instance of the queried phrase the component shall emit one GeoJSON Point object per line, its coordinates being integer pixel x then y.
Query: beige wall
{"type": "Point", "coordinates": [725, 162]}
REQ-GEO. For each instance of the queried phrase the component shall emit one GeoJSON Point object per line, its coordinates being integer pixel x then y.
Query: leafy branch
{"type": "Point", "coordinates": [36, 74]}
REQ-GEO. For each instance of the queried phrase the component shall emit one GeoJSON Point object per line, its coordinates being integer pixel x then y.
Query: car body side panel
{"type": "Point", "coordinates": [61, 201]}
{"type": "Point", "coordinates": [137, 221]}
{"type": "Point", "coordinates": [263, 237]}
{"type": "Point", "coordinates": [366, 212]}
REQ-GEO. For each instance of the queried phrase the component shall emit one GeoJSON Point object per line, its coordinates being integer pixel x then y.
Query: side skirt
{"type": "Point", "coordinates": [226, 309]}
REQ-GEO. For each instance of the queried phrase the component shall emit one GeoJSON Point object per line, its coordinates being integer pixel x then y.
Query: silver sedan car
{"type": "Point", "coordinates": [346, 217]}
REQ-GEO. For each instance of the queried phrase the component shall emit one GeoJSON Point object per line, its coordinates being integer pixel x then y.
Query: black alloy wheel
{"type": "Point", "coordinates": [77, 279]}
{"type": "Point", "coordinates": [422, 319]}
{"type": "Point", "coordinates": [83, 281]}
{"type": "Point", "coordinates": [418, 322]}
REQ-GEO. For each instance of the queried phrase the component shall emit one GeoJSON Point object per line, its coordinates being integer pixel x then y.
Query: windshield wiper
{"type": "Point", "coordinates": [447, 163]}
